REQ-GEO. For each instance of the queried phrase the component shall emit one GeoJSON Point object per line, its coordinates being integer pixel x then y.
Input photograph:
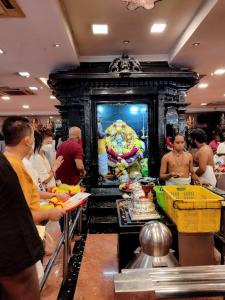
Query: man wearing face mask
{"type": "Point", "coordinates": [72, 168]}
{"type": "Point", "coordinates": [203, 157]}
{"type": "Point", "coordinates": [19, 138]}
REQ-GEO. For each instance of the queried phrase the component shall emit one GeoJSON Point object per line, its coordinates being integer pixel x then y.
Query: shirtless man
{"type": "Point", "coordinates": [203, 158]}
{"type": "Point", "coordinates": [177, 165]}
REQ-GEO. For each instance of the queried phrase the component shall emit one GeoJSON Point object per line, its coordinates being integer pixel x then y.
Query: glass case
{"type": "Point", "coordinates": [123, 141]}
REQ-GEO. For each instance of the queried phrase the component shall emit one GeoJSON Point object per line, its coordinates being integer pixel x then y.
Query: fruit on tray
{"type": "Point", "coordinates": [65, 188]}
{"type": "Point", "coordinates": [56, 202]}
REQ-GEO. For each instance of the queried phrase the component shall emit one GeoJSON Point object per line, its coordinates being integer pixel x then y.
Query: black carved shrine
{"type": "Point", "coordinates": [155, 83]}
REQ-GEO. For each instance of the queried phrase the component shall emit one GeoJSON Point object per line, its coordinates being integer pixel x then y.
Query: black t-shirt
{"type": "Point", "coordinates": [20, 244]}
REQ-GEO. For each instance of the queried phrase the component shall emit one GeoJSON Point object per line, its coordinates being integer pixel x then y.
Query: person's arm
{"type": "Point", "coordinates": [164, 175]}
{"type": "Point", "coordinates": [78, 158]}
{"type": "Point", "coordinates": [80, 167]}
{"type": "Point", "coordinates": [53, 214]}
{"type": "Point", "coordinates": [194, 177]}
{"type": "Point", "coordinates": [56, 164]}
{"type": "Point", "coordinates": [202, 162]}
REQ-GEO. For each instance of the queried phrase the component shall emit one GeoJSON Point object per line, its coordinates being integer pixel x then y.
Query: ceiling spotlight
{"type": "Point", "coordinates": [57, 45]}
{"type": "Point", "coordinates": [26, 106]}
{"type": "Point", "coordinates": [196, 44]}
{"type": "Point", "coordinates": [158, 28]}
{"type": "Point", "coordinates": [5, 98]}
{"type": "Point", "coordinates": [44, 80]}
{"type": "Point", "coordinates": [126, 42]}
{"type": "Point", "coordinates": [203, 85]}
{"type": "Point", "coordinates": [24, 74]}
{"type": "Point", "coordinates": [1, 51]}
{"type": "Point", "coordinates": [219, 71]}
{"type": "Point", "coordinates": [100, 29]}
{"type": "Point", "coordinates": [52, 97]}
{"type": "Point", "coordinates": [33, 88]}
{"type": "Point", "coordinates": [203, 104]}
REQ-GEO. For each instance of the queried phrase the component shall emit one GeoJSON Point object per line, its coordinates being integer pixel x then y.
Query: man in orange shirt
{"type": "Point", "coordinates": [19, 139]}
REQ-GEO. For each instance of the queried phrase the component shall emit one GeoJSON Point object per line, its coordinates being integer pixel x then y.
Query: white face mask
{"type": "Point", "coordinates": [47, 147]}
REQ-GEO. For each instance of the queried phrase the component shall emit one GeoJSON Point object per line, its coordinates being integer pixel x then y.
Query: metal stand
{"type": "Point", "coordinates": [64, 239]}
{"type": "Point", "coordinates": [66, 246]}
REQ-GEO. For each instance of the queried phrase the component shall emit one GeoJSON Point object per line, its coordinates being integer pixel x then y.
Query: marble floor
{"type": "Point", "coordinates": [99, 264]}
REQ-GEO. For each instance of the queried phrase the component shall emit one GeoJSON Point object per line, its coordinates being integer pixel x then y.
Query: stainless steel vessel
{"type": "Point", "coordinates": [155, 240]}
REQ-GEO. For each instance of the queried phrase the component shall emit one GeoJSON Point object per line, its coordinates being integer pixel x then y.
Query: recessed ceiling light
{"type": "Point", "coordinates": [26, 106]}
{"type": "Point", "coordinates": [5, 98]}
{"type": "Point", "coordinates": [203, 104]}
{"type": "Point", "coordinates": [44, 80]}
{"type": "Point", "coordinates": [24, 74]}
{"type": "Point", "coordinates": [50, 117]}
{"type": "Point", "coordinates": [1, 51]}
{"type": "Point", "coordinates": [52, 97]}
{"type": "Point", "coordinates": [57, 45]}
{"type": "Point", "coordinates": [196, 44]}
{"type": "Point", "coordinates": [126, 42]}
{"type": "Point", "coordinates": [100, 29]}
{"type": "Point", "coordinates": [33, 88]}
{"type": "Point", "coordinates": [219, 71]}
{"type": "Point", "coordinates": [158, 27]}
{"type": "Point", "coordinates": [203, 85]}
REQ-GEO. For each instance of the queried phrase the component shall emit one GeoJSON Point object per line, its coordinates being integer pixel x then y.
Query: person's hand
{"type": "Point", "coordinates": [203, 181]}
{"type": "Point", "coordinates": [83, 173]}
{"type": "Point", "coordinates": [55, 214]}
{"type": "Point", "coordinates": [63, 196]}
{"type": "Point", "coordinates": [174, 175]}
{"type": "Point", "coordinates": [57, 163]}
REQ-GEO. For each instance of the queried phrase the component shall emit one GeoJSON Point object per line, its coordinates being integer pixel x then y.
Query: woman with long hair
{"type": "Point", "coordinates": [43, 144]}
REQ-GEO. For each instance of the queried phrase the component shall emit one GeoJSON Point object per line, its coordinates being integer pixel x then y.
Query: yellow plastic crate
{"type": "Point", "coordinates": [193, 208]}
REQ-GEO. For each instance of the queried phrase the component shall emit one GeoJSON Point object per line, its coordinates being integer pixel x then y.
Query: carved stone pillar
{"type": "Point", "coordinates": [161, 123]}
{"type": "Point", "coordinates": [181, 111]}
{"type": "Point", "coordinates": [181, 120]}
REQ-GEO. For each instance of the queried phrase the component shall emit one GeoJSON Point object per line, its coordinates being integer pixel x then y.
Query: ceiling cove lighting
{"type": "Point", "coordinates": [219, 71]}
{"type": "Point", "coordinates": [203, 85]}
{"type": "Point", "coordinates": [44, 80]}
{"type": "Point", "coordinates": [33, 88]}
{"type": "Point", "coordinates": [100, 29]}
{"type": "Point", "coordinates": [24, 74]}
{"type": "Point", "coordinates": [158, 28]}
{"type": "Point", "coordinates": [5, 98]}
{"type": "Point", "coordinates": [26, 106]}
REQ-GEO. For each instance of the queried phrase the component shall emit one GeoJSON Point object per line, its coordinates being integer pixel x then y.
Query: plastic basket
{"type": "Point", "coordinates": [160, 196]}
{"type": "Point", "coordinates": [193, 208]}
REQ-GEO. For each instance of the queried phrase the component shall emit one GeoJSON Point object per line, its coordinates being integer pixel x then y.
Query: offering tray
{"type": "Point", "coordinates": [143, 216]}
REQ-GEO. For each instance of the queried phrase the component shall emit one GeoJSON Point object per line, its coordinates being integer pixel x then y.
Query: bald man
{"type": "Point", "coordinates": [72, 168]}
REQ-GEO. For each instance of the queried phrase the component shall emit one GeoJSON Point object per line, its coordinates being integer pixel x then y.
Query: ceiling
{"type": "Point", "coordinates": [29, 42]}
